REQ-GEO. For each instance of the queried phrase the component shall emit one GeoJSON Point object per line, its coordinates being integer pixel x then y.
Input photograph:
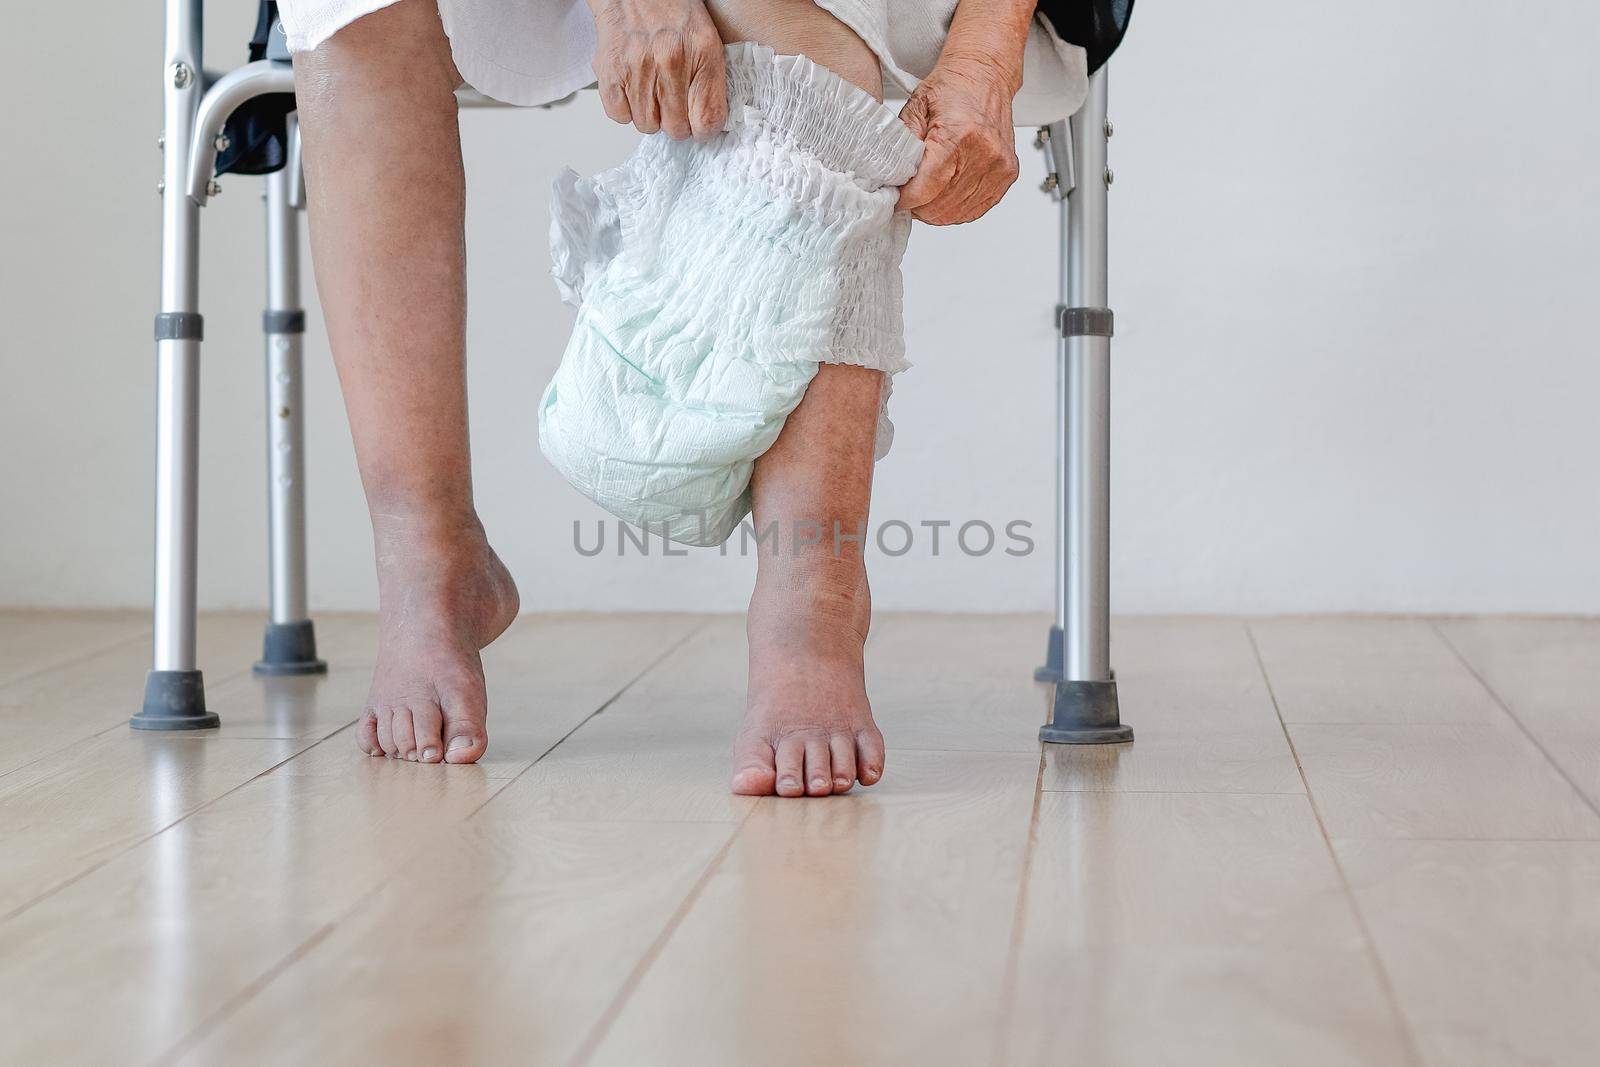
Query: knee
{"type": "Point", "coordinates": [800, 29]}
{"type": "Point", "coordinates": [400, 46]}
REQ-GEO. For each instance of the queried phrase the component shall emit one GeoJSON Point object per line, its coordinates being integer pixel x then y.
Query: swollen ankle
{"type": "Point", "coordinates": [407, 533]}
{"type": "Point", "coordinates": [815, 610]}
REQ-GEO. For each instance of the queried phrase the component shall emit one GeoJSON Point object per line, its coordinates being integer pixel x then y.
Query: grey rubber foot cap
{"type": "Point", "coordinates": [290, 648]}
{"type": "Point", "coordinates": [1085, 713]}
{"type": "Point", "coordinates": [174, 700]}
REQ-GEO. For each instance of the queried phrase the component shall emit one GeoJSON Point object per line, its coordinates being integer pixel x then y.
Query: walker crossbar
{"type": "Point", "coordinates": [194, 117]}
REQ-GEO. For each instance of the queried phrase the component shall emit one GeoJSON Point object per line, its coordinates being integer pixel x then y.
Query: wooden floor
{"type": "Point", "coordinates": [1335, 841]}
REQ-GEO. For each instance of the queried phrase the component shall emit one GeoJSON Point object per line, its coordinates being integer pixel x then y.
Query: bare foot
{"type": "Point", "coordinates": [442, 598]}
{"type": "Point", "coordinates": [808, 728]}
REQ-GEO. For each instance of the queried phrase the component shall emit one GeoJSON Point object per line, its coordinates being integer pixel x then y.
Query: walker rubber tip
{"type": "Point", "coordinates": [1085, 713]}
{"type": "Point", "coordinates": [290, 648]}
{"type": "Point", "coordinates": [1094, 735]}
{"type": "Point", "coordinates": [174, 700]}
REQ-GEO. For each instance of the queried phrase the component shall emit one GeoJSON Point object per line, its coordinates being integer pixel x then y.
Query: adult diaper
{"type": "Point", "coordinates": [711, 278]}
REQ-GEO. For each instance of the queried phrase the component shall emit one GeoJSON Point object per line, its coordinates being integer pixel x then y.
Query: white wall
{"type": "Point", "coordinates": [1354, 271]}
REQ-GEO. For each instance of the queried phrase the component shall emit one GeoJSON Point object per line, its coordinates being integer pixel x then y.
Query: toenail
{"type": "Point", "coordinates": [841, 782]}
{"type": "Point", "coordinates": [789, 783]}
{"type": "Point", "coordinates": [411, 756]}
{"type": "Point", "coordinates": [457, 743]}
{"type": "Point", "coordinates": [430, 753]}
{"type": "Point", "coordinates": [819, 783]}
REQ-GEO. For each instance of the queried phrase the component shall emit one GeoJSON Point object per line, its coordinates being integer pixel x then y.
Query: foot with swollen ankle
{"type": "Point", "coordinates": [808, 727]}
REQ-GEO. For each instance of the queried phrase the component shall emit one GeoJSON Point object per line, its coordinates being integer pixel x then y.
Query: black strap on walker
{"type": "Point", "coordinates": [257, 131]}
{"type": "Point", "coordinates": [1096, 26]}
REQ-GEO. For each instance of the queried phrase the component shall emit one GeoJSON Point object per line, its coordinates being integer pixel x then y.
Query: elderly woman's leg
{"type": "Point", "coordinates": [386, 191]}
{"type": "Point", "coordinates": [808, 728]}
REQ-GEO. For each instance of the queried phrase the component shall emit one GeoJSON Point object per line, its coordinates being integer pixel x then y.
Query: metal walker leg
{"type": "Point", "coordinates": [1078, 660]}
{"type": "Point", "coordinates": [174, 692]}
{"type": "Point", "coordinates": [290, 643]}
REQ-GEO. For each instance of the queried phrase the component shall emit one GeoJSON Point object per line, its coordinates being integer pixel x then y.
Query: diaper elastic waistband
{"type": "Point", "coordinates": [820, 114]}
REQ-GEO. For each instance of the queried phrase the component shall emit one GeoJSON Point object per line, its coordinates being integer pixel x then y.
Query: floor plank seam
{"type": "Point", "coordinates": [81, 875]}
{"type": "Point", "coordinates": [309, 945]}
{"type": "Point", "coordinates": [612, 699]}
{"type": "Point", "coordinates": [143, 634]}
{"type": "Point", "coordinates": [255, 986]}
{"type": "Point", "coordinates": [1018, 751]}
{"type": "Point", "coordinates": [635, 977]}
{"type": "Point", "coordinates": [1505, 706]}
{"type": "Point", "coordinates": [1473, 840]}
{"type": "Point", "coordinates": [1187, 792]}
{"type": "Point", "coordinates": [1011, 976]}
{"type": "Point", "coordinates": [120, 724]}
{"type": "Point", "coordinates": [1385, 980]}
{"type": "Point", "coordinates": [317, 743]}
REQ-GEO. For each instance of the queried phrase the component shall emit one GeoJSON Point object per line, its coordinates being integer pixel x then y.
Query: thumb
{"type": "Point", "coordinates": [938, 166]}
{"type": "Point", "coordinates": [915, 114]}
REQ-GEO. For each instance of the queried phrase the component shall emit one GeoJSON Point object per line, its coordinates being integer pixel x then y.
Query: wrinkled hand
{"type": "Point", "coordinates": [962, 112]}
{"type": "Point", "coordinates": [659, 66]}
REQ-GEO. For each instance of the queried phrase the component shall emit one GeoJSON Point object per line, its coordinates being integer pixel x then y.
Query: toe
{"type": "Point", "coordinates": [819, 767]}
{"type": "Point", "coordinates": [842, 748]}
{"type": "Point", "coordinates": [465, 739]}
{"type": "Point", "coordinates": [385, 733]}
{"type": "Point", "coordinates": [405, 736]}
{"type": "Point", "coordinates": [869, 755]}
{"type": "Point", "coordinates": [426, 723]}
{"type": "Point", "coordinates": [790, 765]}
{"type": "Point", "coordinates": [367, 733]}
{"type": "Point", "coordinates": [754, 773]}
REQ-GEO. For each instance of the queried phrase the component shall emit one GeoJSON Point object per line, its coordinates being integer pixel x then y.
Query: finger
{"type": "Point", "coordinates": [965, 188]}
{"type": "Point", "coordinates": [642, 94]}
{"type": "Point", "coordinates": [950, 206]}
{"type": "Point", "coordinates": [976, 202]}
{"type": "Point", "coordinates": [991, 179]}
{"type": "Point", "coordinates": [672, 88]}
{"type": "Point", "coordinates": [979, 188]}
{"type": "Point", "coordinates": [938, 166]}
{"type": "Point", "coordinates": [708, 95]}
{"type": "Point", "coordinates": [614, 98]}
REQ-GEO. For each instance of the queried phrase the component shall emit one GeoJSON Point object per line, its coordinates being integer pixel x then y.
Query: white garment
{"type": "Point", "coordinates": [534, 51]}
{"type": "Point", "coordinates": [907, 36]}
{"type": "Point", "coordinates": [710, 278]}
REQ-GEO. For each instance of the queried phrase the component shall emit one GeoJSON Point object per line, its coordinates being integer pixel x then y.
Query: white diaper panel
{"type": "Point", "coordinates": [711, 279]}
